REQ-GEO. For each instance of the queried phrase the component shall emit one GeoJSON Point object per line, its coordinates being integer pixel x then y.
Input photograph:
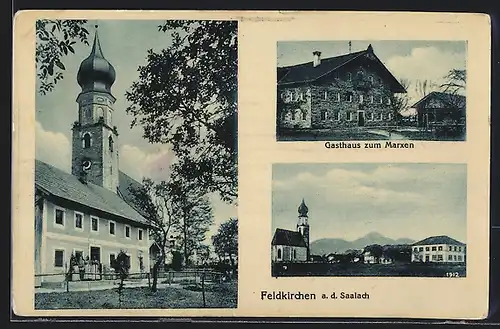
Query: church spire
{"type": "Point", "coordinates": [303, 210]}
{"type": "Point", "coordinates": [96, 47]}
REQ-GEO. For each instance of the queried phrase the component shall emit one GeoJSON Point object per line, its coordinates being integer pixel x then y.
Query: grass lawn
{"type": "Point", "coordinates": [427, 136]}
{"type": "Point", "coordinates": [355, 269]}
{"type": "Point", "coordinates": [223, 295]}
{"type": "Point", "coordinates": [326, 134]}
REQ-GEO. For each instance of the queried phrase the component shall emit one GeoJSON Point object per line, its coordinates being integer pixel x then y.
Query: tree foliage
{"type": "Point", "coordinates": [375, 250]}
{"type": "Point", "coordinates": [55, 39]}
{"type": "Point", "coordinates": [186, 95]}
{"type": "Point", "coordinates": [225, 241]}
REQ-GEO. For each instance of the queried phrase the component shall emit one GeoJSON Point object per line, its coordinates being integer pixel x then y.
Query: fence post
{"type": "Point", "coordinates": [149, 280]}
{"type": "Point", "coordinates": [203, 288]}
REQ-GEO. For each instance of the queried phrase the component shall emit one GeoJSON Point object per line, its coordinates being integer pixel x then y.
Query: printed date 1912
{"type": "Point", "coordinates": [452, 275]}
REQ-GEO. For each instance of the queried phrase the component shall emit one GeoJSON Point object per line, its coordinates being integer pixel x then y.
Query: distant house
{"type": "Point", "coordinates": [369, 258]}
{"type": "Point", "coordinates": [347, 91]}
{"type": "Point", "coordinates": [438, 108]}
{"type": "Point", "coordinates": [441, 249]}
{"type": "Point", "coordinates": [292, 246]}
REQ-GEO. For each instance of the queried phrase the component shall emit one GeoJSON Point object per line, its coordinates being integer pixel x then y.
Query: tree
{"type": "Point", "coordinates": [55, 39]}
{"type": "Point", "coordinates": [455, 82]}
{"type": "Point", "coordinates": [400, 101]}
{"type": "Point", "coordinates": [225, 241]}
{"type": "Point", "coordinates": [425, 87]}
{"type": "Point", "coordinates": [156, 203]}
{"type": "Point", "coordinates": [186, 95]}
{"type": "Point", "coordinates": [121, 265]}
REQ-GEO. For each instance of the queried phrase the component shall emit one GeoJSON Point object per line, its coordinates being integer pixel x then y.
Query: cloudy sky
{"type": "Point", "coordinates": [412, 60]}
{"type": "Point", "coordinates": [350, 200]}
{"type": "Point", "coordinates": [124, 44]}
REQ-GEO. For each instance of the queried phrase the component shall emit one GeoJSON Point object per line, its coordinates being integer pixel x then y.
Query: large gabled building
{"type": "Point", "coordinates": [342, 92]}
{"type": "Point", "coordinates": [89, 213]}
{"type": "Point", "coordinates": [439, 249]}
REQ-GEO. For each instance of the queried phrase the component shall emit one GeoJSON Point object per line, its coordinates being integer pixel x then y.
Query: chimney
{"type": "Point", "coordinates": [316, 58]}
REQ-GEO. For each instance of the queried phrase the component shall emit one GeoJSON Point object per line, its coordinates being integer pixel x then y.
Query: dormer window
{"type": "Point", "coordinates": [110, 143]}
{"type": "Point", "coordinates": [87, 140]}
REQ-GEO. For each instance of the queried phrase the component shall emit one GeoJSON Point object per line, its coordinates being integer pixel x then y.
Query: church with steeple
{"type": "Point", "coordinates": [293, 246]}
{"type": "Point", "coordinates": [89, 214]}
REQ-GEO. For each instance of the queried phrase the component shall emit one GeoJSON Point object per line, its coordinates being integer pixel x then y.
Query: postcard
{"type": "Point", "coordinates": [251, 164]}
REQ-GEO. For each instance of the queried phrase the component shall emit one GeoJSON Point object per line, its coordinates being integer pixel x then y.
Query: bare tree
{"type": "Point", "coordinates": [455, 82]}
{"type": "Point", "coordinates": [156, 203]}
{"type": "Point", "coordinates": [425, 87]}
{"type": "Point", "coordinates": [401, 100]}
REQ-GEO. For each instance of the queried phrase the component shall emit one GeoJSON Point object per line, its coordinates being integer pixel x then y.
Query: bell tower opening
{"type": "Point", "coordinates": [94, 136]}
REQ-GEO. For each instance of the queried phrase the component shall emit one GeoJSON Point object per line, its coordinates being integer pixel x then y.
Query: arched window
{"type": "Point", "coordinates": [279, 253]}
{"type": "Point", "coordinates": [87, 140]}
{"type": "Point", "coordinates": [110, 142]}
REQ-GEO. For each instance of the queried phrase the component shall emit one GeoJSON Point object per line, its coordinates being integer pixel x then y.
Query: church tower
{"type": "Point", "coordinates": [95, 138]}
{"type": "Point", "coordinates": [303, 225]}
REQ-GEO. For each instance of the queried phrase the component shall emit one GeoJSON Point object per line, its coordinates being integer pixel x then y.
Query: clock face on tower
{"type": "Point", "coordinates": [86, 165]}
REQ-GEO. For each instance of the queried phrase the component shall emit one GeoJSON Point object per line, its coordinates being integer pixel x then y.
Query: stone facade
{"type": "Point", "coordinates": [96, 140]}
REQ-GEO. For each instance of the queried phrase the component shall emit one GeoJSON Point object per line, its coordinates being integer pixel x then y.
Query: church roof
{"type": "Point", "coordinates": [288, 238]}
{"type": "Point", "coordinates": [95, 72]}
{"type": "Point", "coordinates": [63, 185]}
{"type": "Point", "coordinates": [307, 72]}
{"type": "Point", "coordinates": [440, 239]}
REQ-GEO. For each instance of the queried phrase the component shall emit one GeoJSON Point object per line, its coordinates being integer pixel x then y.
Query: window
{"type": "Point", "coordinates": [323, 114]}
{"type": "Point", "coordinates": [338, 116]}
{"type": "Point", "coordinates": [371, 99]}
{"type": "Point", "coordinates": [450, 248]}
{"type": "Point", "coordinates": [58, 258]}
{"type": "Point", "coordinates": [439, 258]}
{"type": "Point", "coordinates": [415, 249]}
{"type": "Point", "coordinates": [454, 257]}
{"type": "Point", "coordinates": [370, 117]}
{"type": "Point", "coordinates": [279, 253]}
{"type": "Point", "coordinates": [338, 97]}
{"type": "Point", "coordinates": [87, 141]}
{"type": "Point", "coordinates": [421, 249]}
{"type": "Point", "coordinates": [95, 253]}
{"type": "Point", "coordinates": [112, 227]}
{"type": "Point", "coordinates": [110, 116]}
{"type": "Point", "coordinates": [293, 114]}
{"type": "Point", "coordinates": [459, 248]}
{"type": "Point", "coordinates": [294, 253]}
{"type": "Point", "coordinates": [450, 257]}
{"type": "Point", "coordinates": [381, 117]}
{"type": "Point", "coordinates": [434, 248]}
{"type": "Point", "coordinates": [427, 249]}
{"type": "Point", "coordinates": [388, 101]}
{"type": "Point", "coordinates": [459, 258]}
{"type": "Point", "coordinates": [349, 76]}
{"type": "Point", "coordinates": [350, 98]}
{"type": "Point", "coordinates": [389, 116]}
{"type": "Point", "coordinates": [361, 98]}
{"type": "Point", "coordinates": [455, 248]}
{"type": "Point", "coordinates": [78, 220]}
{"type": "Point", "coordinates": [127, 231]}
{"type": "Point", "coordinates": [349, 116]}
{"type": "Point", "coordinates": [326, 95]}
{"type": "Point", "coordinates": [301, 96]}
{"type": "Point", "coordinates": [139, 234]}
{"type": "Point", "coordinates": [94, 224]}
{"type": "Point", "coordinates": [110, 143]}
{"type": "Point", "coordinates": [440, 248]}
{"type": "Point", "coordinates": [59, 216]}
{"type": "Point", "coordinates": [381, 100]}
{"type": "Point", "coordinates": [112, 258]}
{"type": "Point", "coordinates": [304, 115]}
{"type": "Point", "coordinates": [434, 257]}
{"type": "Point", "coordinates": [371, 78]}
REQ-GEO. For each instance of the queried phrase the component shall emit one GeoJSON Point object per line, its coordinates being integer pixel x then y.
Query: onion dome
{"type": "Point", "coordinates": [303, 210]}
{"type": "Point", "coordinates": [95, 72]}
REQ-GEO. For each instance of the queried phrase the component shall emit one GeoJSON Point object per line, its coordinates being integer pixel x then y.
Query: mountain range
{"type": "Point", "coordinates": [333, 245]}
